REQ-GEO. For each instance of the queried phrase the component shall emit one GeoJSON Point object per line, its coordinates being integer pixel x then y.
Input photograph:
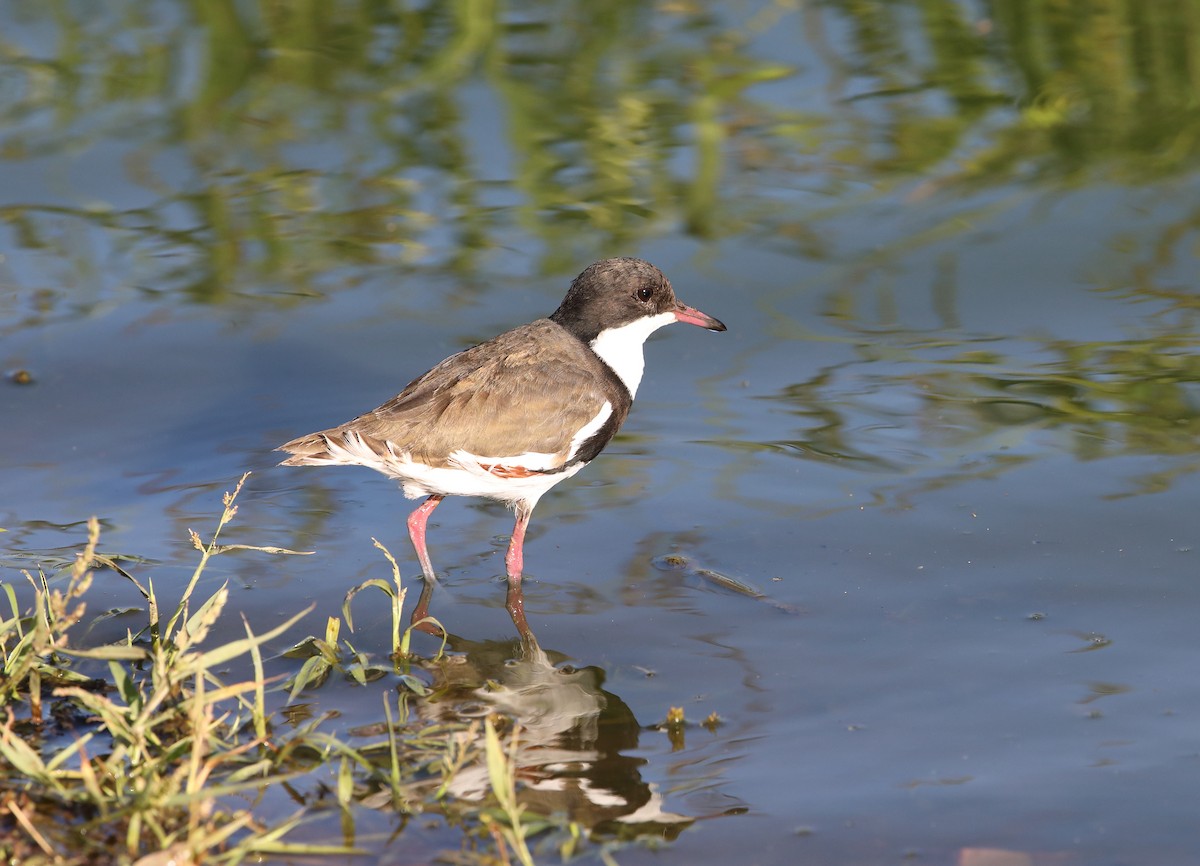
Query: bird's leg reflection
{"type": "Point", "coordinates": [515, 602]}
{"type": "Point", "coordinates": [420, 613]}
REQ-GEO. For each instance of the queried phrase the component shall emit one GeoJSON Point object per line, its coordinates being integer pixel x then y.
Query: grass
{"type": "Point", "coordinates": [138, 752]}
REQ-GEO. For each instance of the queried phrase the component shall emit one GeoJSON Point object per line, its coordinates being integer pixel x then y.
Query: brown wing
{"type": "Point", "coordinates": [530, 389]}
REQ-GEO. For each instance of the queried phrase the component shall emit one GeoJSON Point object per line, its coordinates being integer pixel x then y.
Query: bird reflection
{"type": "Point", "coordinates": [575, 737]}
{"type": "Point", "coordinates": [514, 601]}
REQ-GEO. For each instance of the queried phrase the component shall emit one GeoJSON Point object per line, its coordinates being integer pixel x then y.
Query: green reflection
{"type": "Point", "coordinates": [269, 144]}
{"type": "Point", "coordinates": [219, 151]}
{"type": "Point", "coordinates": [308, 135]}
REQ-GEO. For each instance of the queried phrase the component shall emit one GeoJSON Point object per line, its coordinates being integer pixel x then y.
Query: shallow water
{"type": "Point", "coordinates": [920, 528]}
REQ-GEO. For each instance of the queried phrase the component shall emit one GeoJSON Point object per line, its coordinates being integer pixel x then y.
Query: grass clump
{"type": "Point", "coordinates": [164, 739]}
{"type": "Point", "coordinates": [138, 753]}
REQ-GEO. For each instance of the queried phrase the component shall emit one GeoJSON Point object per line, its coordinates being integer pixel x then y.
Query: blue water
{"type": "Point", "coordinates": [949, 439]}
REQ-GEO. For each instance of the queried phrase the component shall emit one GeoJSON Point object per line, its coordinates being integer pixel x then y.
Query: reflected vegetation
{"type": "Point", "coordinates": [1129, 398]}
{"type": "Point", "coordinates": [1137, 397]}
{"type": "Point", "coordinates": [282, 152]}
{"type": "Point", "coordinates": [267, 146]}
{"type": "Point", "coordinates": [1059, 89]}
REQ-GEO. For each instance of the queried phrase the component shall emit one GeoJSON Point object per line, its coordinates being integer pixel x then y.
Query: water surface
{"type": "Point", "coordinates": [919, 528]}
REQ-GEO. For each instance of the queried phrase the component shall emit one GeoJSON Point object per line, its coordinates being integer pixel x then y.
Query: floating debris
{"type": "Point", "coordinates": [679, 562]}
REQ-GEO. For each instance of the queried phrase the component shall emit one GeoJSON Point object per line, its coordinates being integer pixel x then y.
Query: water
{"type": "Point", "coordinates": [933, 492]}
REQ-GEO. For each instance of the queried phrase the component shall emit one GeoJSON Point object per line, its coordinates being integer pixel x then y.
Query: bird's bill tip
{"type": "Point", "coordinates": [692, 316]}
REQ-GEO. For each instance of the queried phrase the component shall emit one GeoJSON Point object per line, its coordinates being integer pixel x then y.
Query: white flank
{"type": "Point", "coordinates": [621, 348]}
{"type": "Point", "coordinates": [420, 479]}
{"type": "Point", "coordinates": [465, 476]}
{"type": "Point", "coordinates": [588, 430]}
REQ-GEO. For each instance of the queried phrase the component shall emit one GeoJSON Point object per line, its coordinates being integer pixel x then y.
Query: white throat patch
{"type": "Point", "coordinates": [621, 348]}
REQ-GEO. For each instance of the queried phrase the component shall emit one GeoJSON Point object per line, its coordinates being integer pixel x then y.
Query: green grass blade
{"type": "Point", "coordinates": [218, 656]}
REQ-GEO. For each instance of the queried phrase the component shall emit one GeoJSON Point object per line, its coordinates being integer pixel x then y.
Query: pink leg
{"type": "Point", "coordinates": [416, 531]}
{"type": "Point", "coordinates": [514, 560]}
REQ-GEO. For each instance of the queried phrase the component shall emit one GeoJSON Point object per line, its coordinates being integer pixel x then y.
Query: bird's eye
{"type": "Point", "coordinates": [645, 293]}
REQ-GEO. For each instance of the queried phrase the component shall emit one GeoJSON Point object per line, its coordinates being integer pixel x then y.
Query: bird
{"type": "Point", "coordinates": [510, 418]}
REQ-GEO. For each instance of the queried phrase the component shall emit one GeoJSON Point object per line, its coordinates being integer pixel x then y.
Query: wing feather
{"type": "Point", "coordinates": [530, 390]}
